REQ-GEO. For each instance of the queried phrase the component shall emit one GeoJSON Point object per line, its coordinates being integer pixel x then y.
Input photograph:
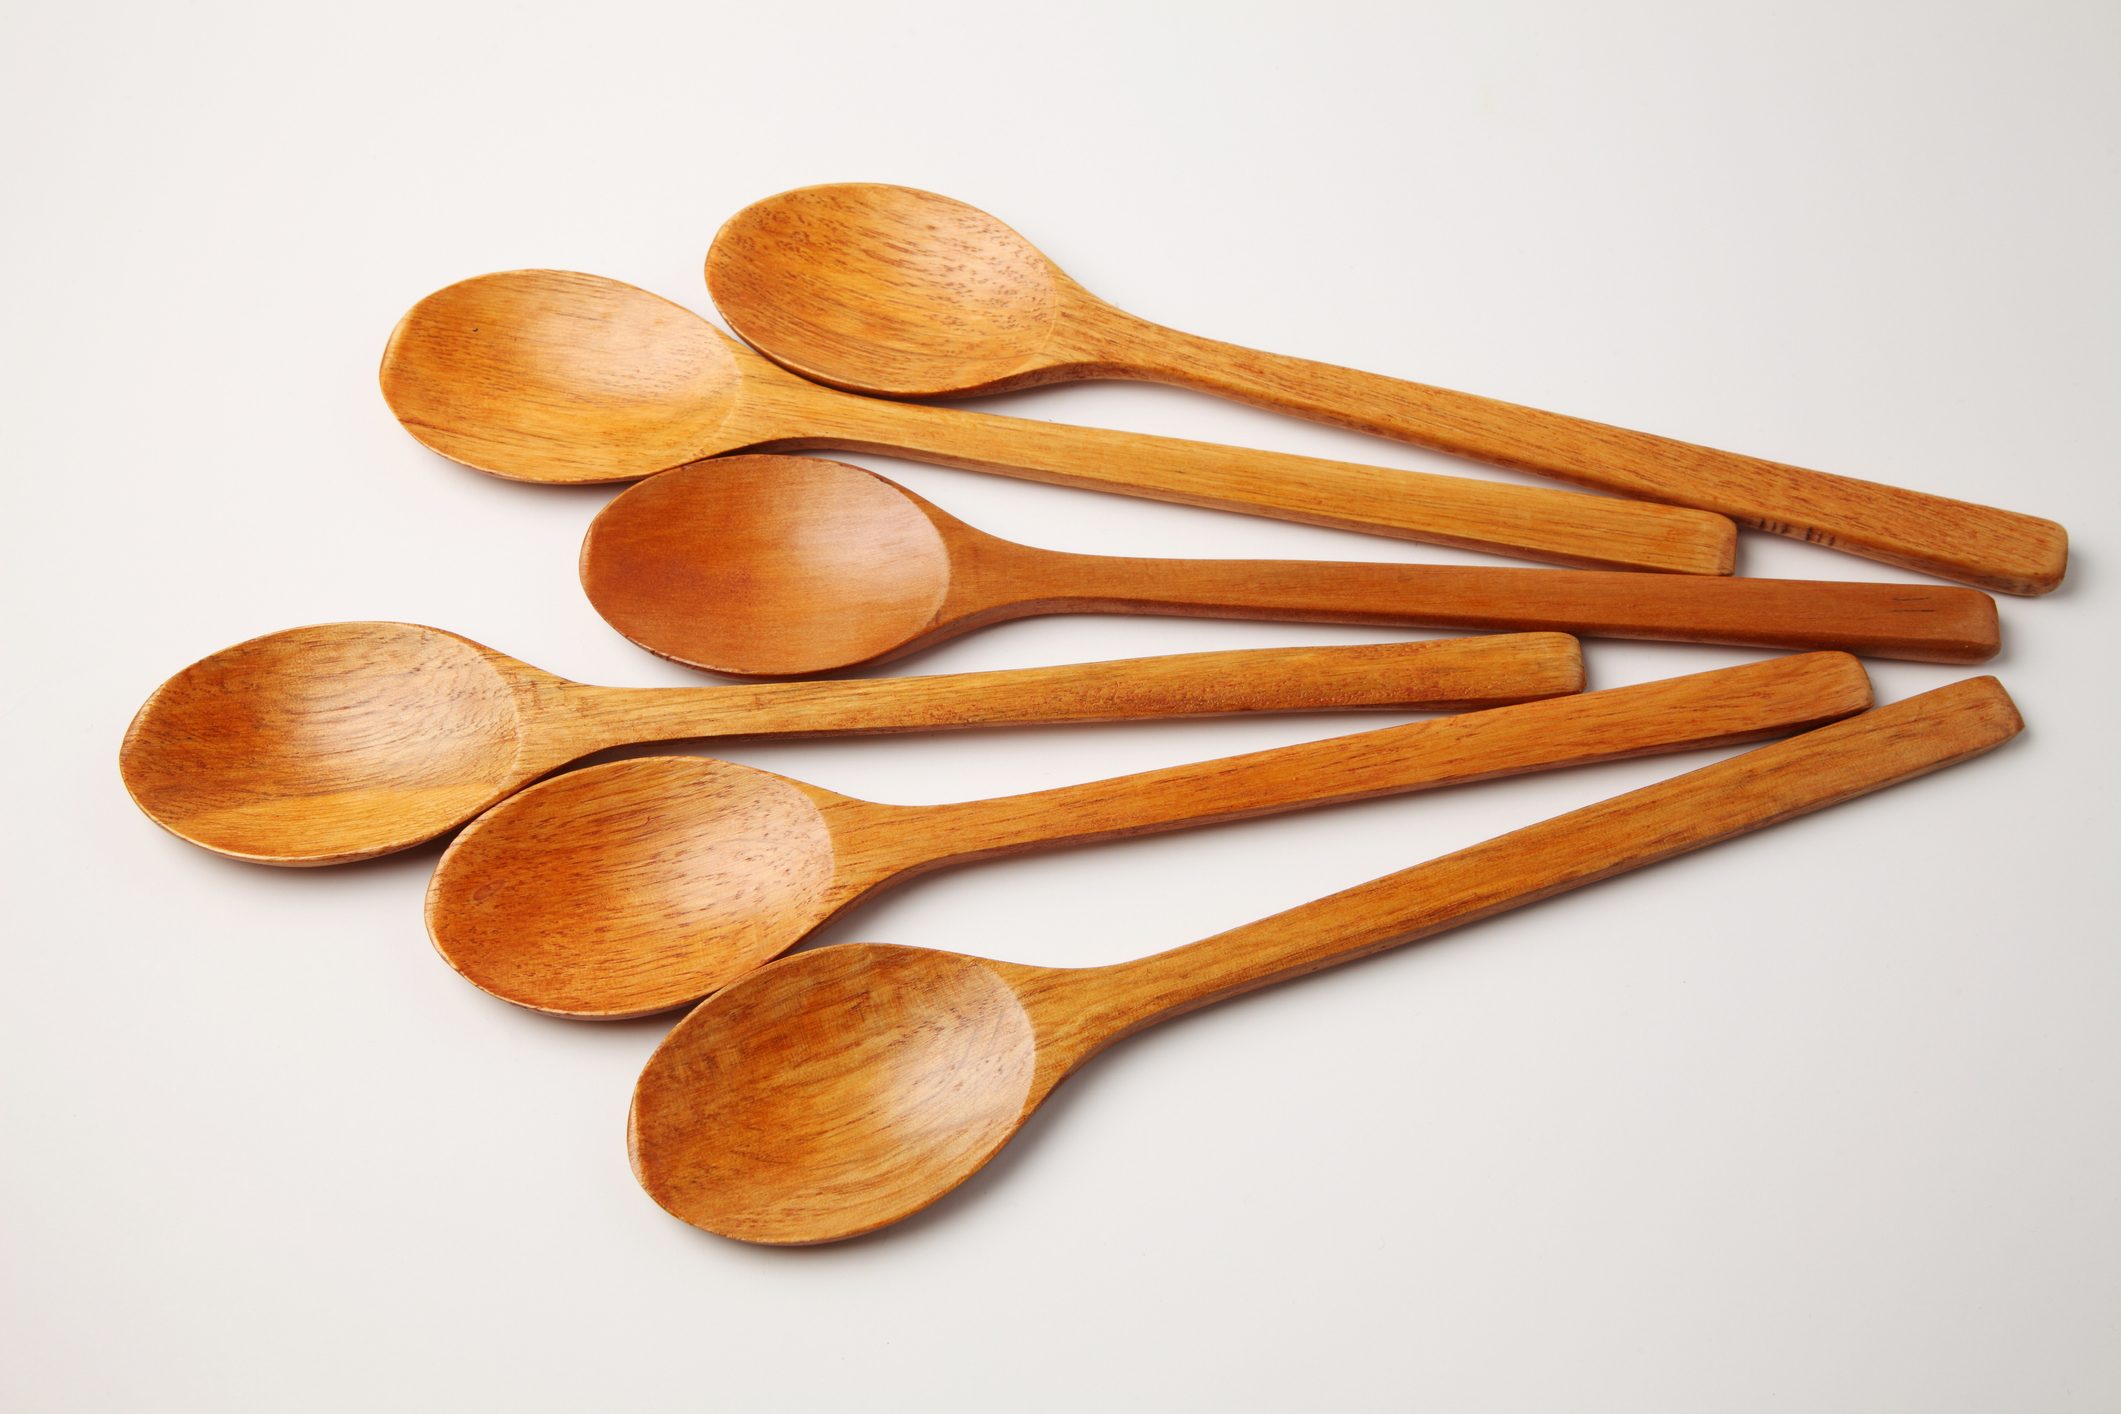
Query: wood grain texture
{"type": "Point", "coordinates": [548, 376]}
{"type": "Point", "coordinates": [838, 1091]}
{"type": "Point", "coordinates": [889, 290]}
{"type": "Point", "coordinates": [642, 885]}
{"type": "Point", "coordinates": [338, 742]}
{"type": "Point", "coordinates": [765, 566]}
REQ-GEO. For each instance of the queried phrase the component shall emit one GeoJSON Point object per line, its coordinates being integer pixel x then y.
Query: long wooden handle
{"type": "Point", "coordinates": [1531, 522]}
{"type": "Point", "coordinates": [1704, 709]}
{"type": "Point", "coordinates": [1996, 549]}
{"type": "Point", "coordinates": [1926, 623]}
{"type": "Point", "coordinates": [1439, 675]}
{"type": "Point", "coordinates": [1763, 787]}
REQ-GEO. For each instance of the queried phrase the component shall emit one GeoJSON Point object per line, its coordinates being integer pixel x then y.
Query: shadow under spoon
{"type": "Point", "coordinates": [338, 742]}
{"type": "Point", "coordinates": [904, 293]}
{"type": "Point", "coordinates": [767, 566]}
{"type": "Point", "coordinates": [541, 375]}
{"type": "Point", "coordinates": [640, 885]}
{"type": "Point", "coordinates": [849, 1087]}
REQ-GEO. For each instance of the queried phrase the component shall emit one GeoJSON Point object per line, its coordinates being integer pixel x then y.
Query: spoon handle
{"type": "Point", "coordinates": [1926, 623]}
{"type": "Point", "coordinates": [1530, 522]}
{"type": "Point", "coordinates": [1704, 709]}
{"type": "Point", "coordinates": [1996, 549]}
{"type": "Point", "coordinates": [1436, 675]}
{"type": "Point", "coordinates": [1762, 787]}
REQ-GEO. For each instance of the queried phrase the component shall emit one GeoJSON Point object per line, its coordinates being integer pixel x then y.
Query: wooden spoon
{"type": "Point", "coordinates": [900, 292]}
{"type": "Point", "coordinates": [846, 1088]}
{"type": "Point", "coordinates": [544, 376]}
{"type": "Point", "coordinates": [338, 742]}
{"type": "Point", "coordinates": [628, 888]}
{"type": "Point", "coordinates": [768, 566]}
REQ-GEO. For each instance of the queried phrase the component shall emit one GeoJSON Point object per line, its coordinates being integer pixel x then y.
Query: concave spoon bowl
{"type": "Point", "coordinates": [294, 748]}
{"type": "Point", "coordinates": [901, 293]}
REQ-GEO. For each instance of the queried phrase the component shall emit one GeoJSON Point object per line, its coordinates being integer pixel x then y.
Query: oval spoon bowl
{"type": "Point", "coordinates": [544, 375]}
{"type": "Point", "coordinates": [326, 744]}
{"type": "Point", "coordinates": [895, 1075]}
{"type": "Point", "coordinates": [766, 566]}
{"type": "Point", "coordinates": [889, 290]}
{"type": "Point", "coordinates": [627, 888]}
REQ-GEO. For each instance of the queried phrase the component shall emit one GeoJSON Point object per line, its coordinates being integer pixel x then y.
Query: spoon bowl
{"type": "Point", "coordinates": [626, 888]}
{"type": "Point", "coordinates": [872, 1080]}
{"type": "Point", "coordinates": [541, 375]}
{"type": "Point", "coordinates": [328, 743]}
{"type": "Point", "coordinates": [770, 566]}
{"type": "Point", "coordinates": [889, 290]}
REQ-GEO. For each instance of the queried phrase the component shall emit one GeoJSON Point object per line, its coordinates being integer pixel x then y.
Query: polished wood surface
{"type": "Point", "coordinates": [889, 290]}
{"type": "Point", "coordinates": [338, 742]}
{"type": "Point", "coordinates": [769, 566]}
{"type": "Point", "coordinates": [540, 375]}
{"type": "Point", "coordinates": [641, 885]}
{"type": "Point", "coordinates": [843, 1089]}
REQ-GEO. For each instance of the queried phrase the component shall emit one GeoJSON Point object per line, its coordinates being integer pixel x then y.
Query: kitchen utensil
{"type": "Point", "coordinates": [540, 375]}
{"type": "Point", "coordinates": [847, 1087]}
{"type": "Point", "coordinates": [645, 884]}
{"type": "Point", "coordinates": [893, 291]}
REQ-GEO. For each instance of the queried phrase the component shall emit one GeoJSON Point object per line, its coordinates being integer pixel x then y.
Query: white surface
{"type": "Point", "coordinates": [1823, 1119]}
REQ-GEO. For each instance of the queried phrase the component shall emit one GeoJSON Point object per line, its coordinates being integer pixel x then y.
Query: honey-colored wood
{"type": "Point", "coordinates": [641, 885]}
{"type": "Point", "coordinates": [892, 291]}
{"type": "Point", "coordinates": [342, 741]}
{"type": "Point", "coordinates": [845, 1088]}
{"type": "Point", "coordinates": [540, 375]}
{"type": "Point", "coordinates": [768, 566]}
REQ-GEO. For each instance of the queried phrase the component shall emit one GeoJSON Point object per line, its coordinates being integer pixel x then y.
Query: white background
{"type": "Point", "coordinates": [1821, 1120]}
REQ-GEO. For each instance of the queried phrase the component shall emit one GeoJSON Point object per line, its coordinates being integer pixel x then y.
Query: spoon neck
{"type": "Point", "coordinates": [1116, 1001]}
{"type": "Point", "coordinates": [995, 578]}
{"type": "Point", "coordinates": [1295, 590]}
{"type": "Point", "coordinates": [580, 719]}
{"type": "Point", "coordinates": [1104, 341]}
{"type": "Point", "coordinates": [594, 718]}
{"type": "Point", "coordinates": [820, 418]}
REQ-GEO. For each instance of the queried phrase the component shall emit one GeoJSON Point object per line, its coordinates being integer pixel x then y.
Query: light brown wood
{"type": "Point", "coordinates": [768, 566]}
{"type": "Point", "coordinates": [541, 375]}
{"type": "Point", "coordinates": [845, 1088]}
{"type": "Point", "coordinates": [892, 291]}
{"type": "Point", "coordinates": [642, 885]}
{"type": "Point", "coordinates": [338, 742]}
